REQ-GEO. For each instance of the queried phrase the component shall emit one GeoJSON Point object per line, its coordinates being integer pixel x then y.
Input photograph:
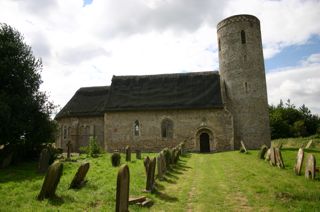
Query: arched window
{"type": "Point", "coordinates": [136, 128]}
{"type": "Point", "coordinates": [243, 37]}
{"type": "Point", "coordinates": [219, 44]}
{"type": "Point", "coordinates": [166, 128]}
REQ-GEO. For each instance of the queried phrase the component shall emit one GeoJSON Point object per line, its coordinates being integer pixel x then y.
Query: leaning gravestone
{"type": "Point", "coordinates": [262, 152]}
{"type": "Point", "coordinates": [299, 162]}
{"type": "Point", "coordinates": [310, 172]}
{"type": "Point", "coordinates": [243, 148]}
{"type": "Point", "coordinates": [268, 155]}
{"type": "Point", "coordinates": [78, 179]}
{"type": "Point", "coordinates": [128, 153]}
{"type": "Point", "coordinates": [122, 196]}
{"type": "Point", "coordinates": [272, 161]}
{"type": "Point", "coordinates": [163, 163]}
{"type": "Point", "coordinates": [309, 144]}
{"type": "Point", "coordinates": [279, 160]}
{"type": "Point", "coordinates": [138, 154]}
{"type": "Point", "coordinates": [44, 161]}
{"type": "Point", "coordinates": [146, 163]}
{"type": "Point", "coordinates": [51, 181]}
{"type": "Point", "coordinates": [150, 175]}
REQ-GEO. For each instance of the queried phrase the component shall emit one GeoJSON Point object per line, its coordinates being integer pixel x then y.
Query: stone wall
{"type": "Point", "coordinates": [187, 126]}
{"type": "Point", "coordinates": [78, 131]}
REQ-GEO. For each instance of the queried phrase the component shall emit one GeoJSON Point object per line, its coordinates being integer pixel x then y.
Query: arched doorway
{"type": "Point", "coordinates": [204, 142]}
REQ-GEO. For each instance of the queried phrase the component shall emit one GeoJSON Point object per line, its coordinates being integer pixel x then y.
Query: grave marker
{"type": "Point", "coordinates": [272, 161]}
{"type": "Point", "coordinates": [309, 144]}
{"type": "Point", "coordinates": [243, 148]}
{"type": "Point", "coordinates": [279, 160]}
{"type": "Point", "coordinates": [150, 175]}
{"type": "Point", "coordinates": [138, 154]}
{"type": "Point", "coordinates": [263, 151]}
{"type": "Point", "coordinates": [128, 153]}
{"type": "Point", "coordinates": [44, 160]}
{"type": "Point", "coordinates": [78, 179]}
{"type": "Point", "coordinates": [299, 162]}
{"type": "Point", "coordinates": [122, 195]}
{"type": "Point", "coordinates": [310, 172]}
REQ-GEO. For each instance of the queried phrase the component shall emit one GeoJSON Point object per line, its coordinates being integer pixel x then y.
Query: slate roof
{"type": "Point", "coordinates": [87, 101]}
{"type": "Point", "coordinates": [166, 91]}
{"type": "Point", "coordinates": [197, 90]}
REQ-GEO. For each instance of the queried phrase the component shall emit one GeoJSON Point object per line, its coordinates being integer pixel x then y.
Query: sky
{"type": "Point", "coordinates": [85, 42]}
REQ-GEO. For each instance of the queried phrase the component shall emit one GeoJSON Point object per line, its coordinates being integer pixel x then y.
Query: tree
{"type": "Point", "coordinates": [24, 110]}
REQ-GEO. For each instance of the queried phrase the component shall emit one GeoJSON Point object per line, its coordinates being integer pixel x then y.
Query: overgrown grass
{"type": "Point", "coordinates": [228, 181]}
{"type": "Point", "coordinates": [298, 142]}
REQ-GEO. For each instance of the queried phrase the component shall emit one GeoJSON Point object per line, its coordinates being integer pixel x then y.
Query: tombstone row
{"type": "Point", "coordinates": [273, 155]}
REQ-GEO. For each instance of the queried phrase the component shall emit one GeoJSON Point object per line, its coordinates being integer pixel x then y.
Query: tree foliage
{"type": "Point", "coordinates": [288, 121]}
{"type": "Point", "coordinates": [24, 110]}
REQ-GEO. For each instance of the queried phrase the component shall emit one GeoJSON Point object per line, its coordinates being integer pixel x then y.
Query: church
{"type": "Point", "coordinates": [210, 111]}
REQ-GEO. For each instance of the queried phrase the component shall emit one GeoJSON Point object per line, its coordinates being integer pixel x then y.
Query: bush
{"type": "Point", "coordinates": [115, 159]}
{"type": "Point", "coordinates": [93, 149]}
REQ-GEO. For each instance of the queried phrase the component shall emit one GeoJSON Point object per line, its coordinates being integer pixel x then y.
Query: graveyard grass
{"type": "Point", "coordinates": [229, 181]}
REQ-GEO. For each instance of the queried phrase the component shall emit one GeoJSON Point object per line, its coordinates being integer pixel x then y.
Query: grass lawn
{"type": "Point", "coordinates": [227, 181]}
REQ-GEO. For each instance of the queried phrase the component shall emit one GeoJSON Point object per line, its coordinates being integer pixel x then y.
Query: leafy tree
{"type": "Point", "coordinates": [288, 121]}
{"type": "Point", "coordinates": [24, 110]}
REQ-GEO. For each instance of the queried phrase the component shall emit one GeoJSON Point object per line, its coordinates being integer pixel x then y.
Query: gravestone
{"type": "Point", "coordinates": [243, 148]}
{"type": "Point", "coordinates": [262, 152]}
{"type": "Point", "coordinates": [122, 195]}
{"type": "Point", "coordinates": [128, 153]}
{"type": "Point", "coordinates": [268, 155]}
{"type": "Point", "coordinates": [7, 160]}
{"type": "Point", "coordinates": [299, 162]}
{"type": "Point", "coordinates": [146, 163]}
{"type": "Point", "coordinates": [309, 144]}
{"type": "Point", "coordinates": [78, 179]}
{"type": "Point", "coordinates": [51, 181]}
{"type": "Point", "coordinates": [44, 160]}
{"type": "Point", "coordinates": [279, 160]}
{"type": "Point", "coordinates": [69, 149]}
{"type": "Point", "coordinates": [272, 161]}
{"type": "Point", "coordinates": [138, 154]}
{"type": "Point", "coordinates": [150, 175]}
{"type": "Point", "coordinates": [310, 172]}
{"type": "Point", "coordinates": [159, 167]}
{"type": "Point", "coordinates": [163, 163]}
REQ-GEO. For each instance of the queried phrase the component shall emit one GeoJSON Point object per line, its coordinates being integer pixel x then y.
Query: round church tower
{"type": "Point", "coordinates": [243, 79]}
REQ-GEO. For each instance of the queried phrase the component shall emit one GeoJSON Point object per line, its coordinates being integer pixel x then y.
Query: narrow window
{"type": "Point", "coordinates": [219, 44]}
{"type": "Point", "coordinates": [243, 37]}
{"type": "Point", "coordinates": [136, 128]}
{"type": "Point", "coordinates": [65, 132]}
{"type": "Point", "coordinates": [246, 87]}
{"type": "Point", "coordinates": [167, 128]}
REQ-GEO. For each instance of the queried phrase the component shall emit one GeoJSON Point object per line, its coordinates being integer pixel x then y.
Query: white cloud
{"type": "Point", "coordinates": [85, 46]}
{"type": "Point", "coordinates": [300, 84]}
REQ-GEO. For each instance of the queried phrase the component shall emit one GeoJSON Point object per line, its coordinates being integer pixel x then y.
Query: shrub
{"type": "Point", "coordinates": [115, 159]}
{"type": "Point", "coordinates": [93, 149]}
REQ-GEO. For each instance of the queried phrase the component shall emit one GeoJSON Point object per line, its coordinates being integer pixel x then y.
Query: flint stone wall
{"type": "Point", "coordinates": [79, 131]}
{"type": "Point", "coordinates": [187, 126]}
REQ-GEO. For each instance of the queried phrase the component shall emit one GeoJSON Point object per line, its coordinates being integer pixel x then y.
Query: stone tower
{"type": "Point", "coordinates": [243, 79]}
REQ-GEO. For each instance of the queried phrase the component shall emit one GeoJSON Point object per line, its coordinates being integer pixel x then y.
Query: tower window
{"type": "Point", "coordinates": [167, 128]}
{"type": "Point", "coordinates": [243, 37]}
{"type": "Point", "coordinates": [136, 128]}
{"type": "Point", "coordinates": [219, 44]}
{"type": "Point", "coordinates": [246, 87]}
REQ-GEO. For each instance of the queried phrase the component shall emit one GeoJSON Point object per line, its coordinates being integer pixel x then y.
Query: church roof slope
{"type": "Point", "coordinates": [87, 101]}
{"type": "Point", "coordinates": [166, 91]}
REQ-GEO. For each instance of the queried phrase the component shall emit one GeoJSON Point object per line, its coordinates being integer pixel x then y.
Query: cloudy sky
{"type": "Point", "coordinates": [85, 42]}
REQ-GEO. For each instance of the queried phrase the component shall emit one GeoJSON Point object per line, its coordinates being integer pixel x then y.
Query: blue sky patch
{"type": "Point", "coordinates": [293, 55]}
{"type": "Point", "coordinates": [87, 2]}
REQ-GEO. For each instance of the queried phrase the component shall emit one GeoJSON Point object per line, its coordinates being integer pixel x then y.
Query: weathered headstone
{"type": "Point", "coordinates": [268, 155]}
{"type": "Point", "coordinates": [309, 144]}
{"type": "Point", "coordinates": [44, 160]}
{"type": "Point", "coordinates": [122, 196]}
{"type": "Point", "coordinates": [243, 148]}
{"type": "Point", "coordinates": [299, 162]}
{"type": "Point", "coordinates": [7, 160]}
{"type": "Point", "coordinates": [69, 150]}
{"type": "Point", "coordinates": [272, 161]}
{"type": "Point", "coordinates": [159, 167]}
{"type": "Point", "coordinates": [150, 175]}
{"type": "Point", "coordinates": [279, 160]}
{"type": "Point", "coordinates": [310, 171]}
{"type": "Point", "coordinates": [146, 163]}
{"type": "Point", "coordinates": [163, 163]}
{"type": "Point", "coordinates": [138, 154]}
{"type": "Point", "coordinates": [115, 159]}
{"type": "Point", "coordinates": [51, 181]}
{"type": "Point", "coordinates": [79, 178]}
{"type": "Point", "coordinates": [128, 153]}
{"type": "Point", "coordinates": [262, 152]}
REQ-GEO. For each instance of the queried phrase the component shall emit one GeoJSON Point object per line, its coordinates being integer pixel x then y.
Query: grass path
{"type": "Point", "coordinates": [232, 181]}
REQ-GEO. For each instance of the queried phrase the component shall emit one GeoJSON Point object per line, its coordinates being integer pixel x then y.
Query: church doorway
{"type": "Point", "coordinates": [204, 142]}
